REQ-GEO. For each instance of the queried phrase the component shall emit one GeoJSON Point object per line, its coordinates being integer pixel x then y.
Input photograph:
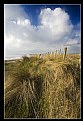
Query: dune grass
{"type": "Point", "coordinates": [43, 88]}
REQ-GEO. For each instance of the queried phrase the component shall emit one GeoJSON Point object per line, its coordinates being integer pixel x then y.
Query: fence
{"type": "Point", "coordinates": [51, 54]}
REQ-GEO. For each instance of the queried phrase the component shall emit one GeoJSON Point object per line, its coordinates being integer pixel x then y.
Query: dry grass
{"type": "Point", "coordinates": [59, 90]}
{"type": "Point", "coordinates": [43, 88]}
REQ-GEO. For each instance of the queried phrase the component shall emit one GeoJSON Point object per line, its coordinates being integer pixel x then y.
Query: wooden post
{"type": "Point", "coordinates": [60, 51]}
{"type": "Point", "coordinates": [56, 52]}
{"type": "Point", "coordinates": [39, 55]}
{"type": "Point", "coordinates": [49, 55]}
{"type": "Point", "coordinates": [65, 49]}
{"type": "Point", "coordinates": [52, 54]}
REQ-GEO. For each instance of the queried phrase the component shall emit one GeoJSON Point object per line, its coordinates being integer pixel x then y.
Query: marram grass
{"type": "Point", "coordinates": [43, 88]}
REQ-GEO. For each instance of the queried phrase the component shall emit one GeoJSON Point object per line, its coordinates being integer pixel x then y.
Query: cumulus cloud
{"type": "Point", "coordinates": [54, 31]}
{"type": "Point", "coordinates": [57, 21]}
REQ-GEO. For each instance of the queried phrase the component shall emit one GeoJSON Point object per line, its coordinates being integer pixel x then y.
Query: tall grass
{"type": "Point", "coordinates": [39, 89]}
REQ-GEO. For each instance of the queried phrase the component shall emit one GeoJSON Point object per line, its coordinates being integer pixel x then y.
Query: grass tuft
{"type": "Point", "coordinates": [43, 88]}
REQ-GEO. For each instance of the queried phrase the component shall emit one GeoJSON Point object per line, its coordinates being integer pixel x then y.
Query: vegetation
{"type": "Point", "coordinates": [43, 87]}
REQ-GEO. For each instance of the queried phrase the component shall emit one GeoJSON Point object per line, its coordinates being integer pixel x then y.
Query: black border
{"type": "Point", "coordinates": [1, 61]}
{"type": "Point", "coordinates": [2, 40]}
{"type": "Point", "coordinates": [42, 2]}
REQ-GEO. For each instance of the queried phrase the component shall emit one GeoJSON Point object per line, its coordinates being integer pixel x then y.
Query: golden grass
{"type": "Point", "coordinates": [44, 88]}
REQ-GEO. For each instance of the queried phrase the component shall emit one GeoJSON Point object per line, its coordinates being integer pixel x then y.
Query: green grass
{"type": "Point", "coordinates": [43, 87]}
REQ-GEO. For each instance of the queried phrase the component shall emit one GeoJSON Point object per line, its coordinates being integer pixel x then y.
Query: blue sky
{"type": "Point", "coordinates": [34, 10]}
{"type": "Point", "coordinates": [41, 28]}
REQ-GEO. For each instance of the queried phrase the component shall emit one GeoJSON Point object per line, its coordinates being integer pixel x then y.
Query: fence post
{"type": "Point", "coordinates": [65, 49]}
{"type": "Point", "coordinates": [56, 52]}
{"type": "Point", "coordinates": [60, 51]}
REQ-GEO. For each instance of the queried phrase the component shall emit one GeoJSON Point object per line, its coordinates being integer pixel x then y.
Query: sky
{"type": "Point", "coordinates": [41, 28]}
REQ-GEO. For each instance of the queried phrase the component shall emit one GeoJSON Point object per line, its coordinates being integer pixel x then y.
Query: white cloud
{"type": "Point", "coordinates": [72, 41]}
{"type": "Point", "coordinates": [12, 12]}
{"type": "Point", "coordinates": [25, 22]}
{"type": "Point", "coordinates": [21, 37]}
{"type": "Point", "coordinates": [74, 49]}
{"type": "Point", "coordinates": [57, 21]}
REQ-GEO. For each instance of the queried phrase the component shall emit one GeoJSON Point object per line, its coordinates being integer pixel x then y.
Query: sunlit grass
{"type": "Point", "coordinates": [43, 87]}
